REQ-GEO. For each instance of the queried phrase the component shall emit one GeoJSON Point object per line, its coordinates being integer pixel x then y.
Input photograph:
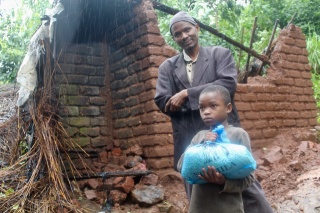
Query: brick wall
{"type": "Point", "coordinates": [134, 60]}
{"type": "Point", "coordinates": [107, 89]}
{"type": "Point", "coordinates": [283, 99]}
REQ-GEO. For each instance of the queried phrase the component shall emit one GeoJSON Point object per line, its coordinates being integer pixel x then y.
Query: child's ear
{"type": "Point", "coordinates": [229, 107]}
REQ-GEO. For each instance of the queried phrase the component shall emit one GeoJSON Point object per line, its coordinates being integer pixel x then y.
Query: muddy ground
{"type": "Point", "coordinates": [288, 169]}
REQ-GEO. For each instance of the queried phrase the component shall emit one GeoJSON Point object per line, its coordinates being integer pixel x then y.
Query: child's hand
{"type": "Point", "coordinates": [210, 136]}
{"type": "Point", "coordinates": [212, 176]}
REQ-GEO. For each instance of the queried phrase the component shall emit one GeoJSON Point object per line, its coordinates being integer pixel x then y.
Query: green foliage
{"type": "Point", "coordinates": [17, 25]}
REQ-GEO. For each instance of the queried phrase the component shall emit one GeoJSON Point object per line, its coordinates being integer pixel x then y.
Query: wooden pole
{"type": "Point", "coordinates": [106, 175]}
{"type": "Point", "coordinates": [269, 45]}
{"type": "Point", "coordinates": [253, 31]}
{"type": "Point", "coordinates": [172, 11]}
{"type": "Point", "coordinates": [240, 52]}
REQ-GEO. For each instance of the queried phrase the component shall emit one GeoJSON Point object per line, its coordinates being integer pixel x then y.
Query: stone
{"type": "Point", "coordinates": [90, 194]}
{"type": "Point", "coordinates": [132, 161]}
{"type": "Point", "coordinates": [93, 183]}
{"type": "Point", "coordinates": [151, 179]}
{"type": "Point", "coordinates": [296, 165]}
{"type": "Point", "coordinates": [125, 184]}
{"type": "Point", "coordinates": [164, 207]}
{"type": "Point", "coordinates": [147, 195]}
{"type": "Point", "coordinates": [134, 150]}
{"type": "Point", "coordinates": [303, 147]}
{"type": "Point", "coordinates": [274, 155]}
{"type": "Point", "coordinates": [117, 196]}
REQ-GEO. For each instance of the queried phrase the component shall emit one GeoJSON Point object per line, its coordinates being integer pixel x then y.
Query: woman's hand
{"type": "Point", "coordinates": [212, 176]}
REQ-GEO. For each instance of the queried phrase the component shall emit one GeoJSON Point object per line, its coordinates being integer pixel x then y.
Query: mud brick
{"type": "Point", "coordinates": [150, 84]}
{"type": "Point", "coordinates": [297, 90]}
{"type": "Point", "coordinates": [79, 121]}
{"type": "Point", "coordinates": [96, 81]}
{"type": "Point", "coordinates": [93, 183]}
{"type": "Point", "coordinates": [95, 131]}
{"type": "Point", "coordinates": [293, 115]}
{"type": "Point", "coordinates": [69, 111]}
{"type": "Point", "coordinates": [142, 53]}
{"type": "Point", "coordinates": [302, 123]}
{"type": "Point", "coordinates": [275, 123]}
{"type": "Point", "coordinates": [289, 122]}
{"type": "Point", "coordinates": [160, 163]}
{"type": "Point", "coordinates": [136, 89]}
{"type": "Point", "coordinates": [127, 39]}
{"type": "Point", "coordinates": [133, 121]}
{"type": "Point", "coordinates": [90, 110]}
{"type": "Point", "coordinates": [125, 184]}
{"type": "Point", "coordinates": [272, 106]}
{"type": "Point", "coordinates": [120, 123]}
{"type": "Point", "coordinates": [281, 114]}
{"type": "Point", "coordinates": [140, 130]}
{"type": "Point", "coordinates": [297, 50]}
{"type": "Point", "coordinates": [131, 80]}
{"type": "Point", "coordinates": [303, 98]}
{"type": "Point", "coordinates": [85, 70]}
{"type": "Point", "coordinates": [278, 98]}
{"type": "Point", "coordinates": [261, 124]}
{"type": "Point", "coordinates": [293, 73]}
{"type": "Point", "coordinates": [303, 59]}
{"type": "Point", "coordinates": [121, 74]}
{"type": "Point", "coordinates": [89, 90]}
{"type": "Point", "coordinates": [267, 115]}
{"type": "Point", "coordinates": [151, 39]}
{"type": "Point", "coordinates": [255, 134]}
{"type": "Point", "coordinates": [308, 91]}
{"type": "Point", "coordinates": [237, 97]}
{"type": "Point", "coordinates": [158, 151]}
{"type": "Point", "coordinates": [71, 131]}
{"type": "Point", "coordinates": [249, 97]}
{"type": "Point", "coordinates": [256, 89]}
{"type": "Point", "coordinates": [137, 110]}
{"type": "Point", "coordinates": [98, 101]}
{"type": "Point", "coordinates": [124, 133]}
{"type": "Point", "coordinates": [284, 89]}
{"type": "Point", "coordinates": [313, 122]}
{"type": "Point", "coordinates": [264, 97]}
{"type": "Point", "coordinates": [150, 106]}
{"type": "Point", "coordinates": [151, 179]}
{"type": "Point", "coordinates": [168, 51]}
{"type": "Point", "coordinates": [98, 121]}
{"type": "Point", "coordinates": [285, 106]}
{"type": "Point", "coordinates": [269, 133]}
{"type": "Point", "coordinates": [100, 141]}
{"type": "Point", "coordinates": [82, 142]}
{"type": "Point", "coordinates": [131, 101]}
{"type": "Point", "coordinates": [62, 68]}
{"type": "Point", "coordinates": [298, 106]}
{"type": "Point", "coordinates": [154, 117]}
{"type": "Point", "coordinates": [312, 106]}
{"type": "Point", "coordinates": [159, 128]}
{"type": "Point", "coordinates": [291, 98]}
{"type": "Point", "coordinates": [159, 139]}
{"type": "Point", "coordinates": [307, 114]}
{"type": "Point", "coordinates": [122, 94]}
{"type": "Point", "coordinates": [115, 66]}
{"type": "Point", "coordinates": [116, 85]}
{"type": "Point", "coordinates": [116, 152]}
{"type": "Point", "coordinates": [307, 67]}
{"type": "Point", "coordinates": [252, 115]}
{"type": "Point", "coordinates": [306, 75]}
{"type": "Point", "coordinates": [270, 89]}
{"type": "Point", "coordinates": [123, 113]}
{"type": "Point", "coordinates": [242, 106]}
{"type": "Point", "coordinates": [147, 96]}
{"type": "Point", "coordinates": [247, 125]}
{"type": "Point", "coordinates": [305, 52]}
{"type": "Point", "coordinates": [301, 43]}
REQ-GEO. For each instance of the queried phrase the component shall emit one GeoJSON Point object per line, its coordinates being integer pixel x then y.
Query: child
{"type": "Point", "coordinates": [220, 195]}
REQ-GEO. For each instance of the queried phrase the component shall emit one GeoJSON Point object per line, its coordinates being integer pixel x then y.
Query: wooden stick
{"type": "Point", "coordinates": [292, 18]}
{"type": "Point", "coordinates": [215, 32]}
{"type": "Point", "coordinates": [269, 45]}
{"type": "Point", "coordinates": [240, 52]}
{"type": "Point", "coordinates": [253, 31]}
{"type": "Point", "coordinates": [105, 175]}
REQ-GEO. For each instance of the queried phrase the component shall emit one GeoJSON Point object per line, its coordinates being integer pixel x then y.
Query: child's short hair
{"type": "Point", "coordinates": [220, 90]}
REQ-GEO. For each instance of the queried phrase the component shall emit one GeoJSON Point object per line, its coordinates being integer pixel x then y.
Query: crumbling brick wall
{"type": "Point", "coordinates": [283, 99]}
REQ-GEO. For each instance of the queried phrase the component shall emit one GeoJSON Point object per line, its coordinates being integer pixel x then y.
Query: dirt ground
{"type": "Point", "coordinates": [290, 177]}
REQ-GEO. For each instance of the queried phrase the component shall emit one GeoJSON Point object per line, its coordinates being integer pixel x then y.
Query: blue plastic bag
{"type": "Point", "coordinates": [232, 160]}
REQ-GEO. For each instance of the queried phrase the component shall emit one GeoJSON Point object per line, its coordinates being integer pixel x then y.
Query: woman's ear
{"type": "Point", "coordinates": [229, 107]}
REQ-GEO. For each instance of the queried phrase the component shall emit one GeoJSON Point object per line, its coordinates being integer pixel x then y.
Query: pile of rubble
{"type": "Point", "coordinates": [149, 193]}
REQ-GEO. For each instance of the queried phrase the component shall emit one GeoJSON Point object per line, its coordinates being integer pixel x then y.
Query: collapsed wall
{"type": "Point", "coordinates": [283, 99]}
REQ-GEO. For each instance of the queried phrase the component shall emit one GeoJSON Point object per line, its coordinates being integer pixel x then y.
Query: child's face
{"type": "Point", "coordinates": [213, 109]}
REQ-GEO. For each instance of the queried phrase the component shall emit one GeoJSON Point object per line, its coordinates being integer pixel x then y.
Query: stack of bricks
{"type": "Point", "coordinates": [285, 100]}
{"type": "Point", "coordinates": [136, 51]}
